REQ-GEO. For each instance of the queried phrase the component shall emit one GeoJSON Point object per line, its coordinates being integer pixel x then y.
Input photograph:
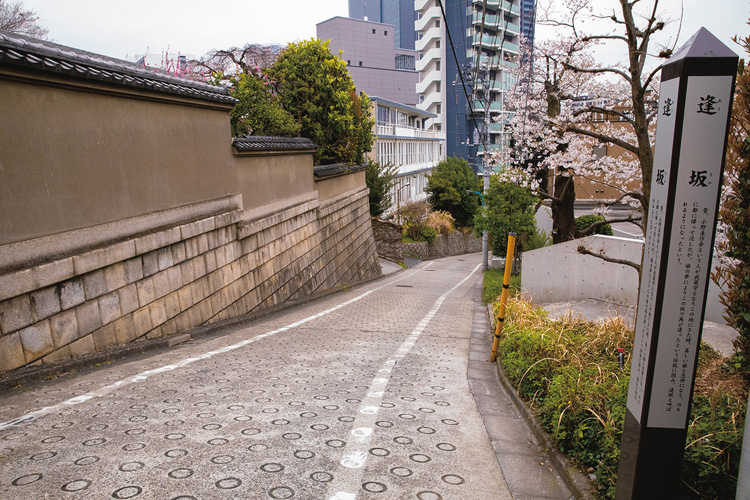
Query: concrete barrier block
{"type": "Point", "coordinates": [161, 284]}
{"type": "Point", "coordinates": [158, 312]}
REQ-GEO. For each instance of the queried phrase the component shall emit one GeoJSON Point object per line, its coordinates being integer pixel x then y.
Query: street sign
{"type": "Point", "coordinates": [695, 102]}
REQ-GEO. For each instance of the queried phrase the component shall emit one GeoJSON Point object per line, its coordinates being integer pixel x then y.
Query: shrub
{"type": "Point", "coordinates": [429, 234]}
{"type": "Point", "coordinates": [447, 186]}
{"type": "Point", "coordinates": [507, 207]}
{"type": "Point", "coordinates": [567, 370]}
{"type": "Point", "coordinates": [414, 215]}
{"type": "Point", "coordinates": [379, 180]}
{"type": "Point", "coordinates": [537, 239]}
{"type": "Point", "coordinates": [584, 221]}
{"type": "Point", "coordinates": [441, 221]}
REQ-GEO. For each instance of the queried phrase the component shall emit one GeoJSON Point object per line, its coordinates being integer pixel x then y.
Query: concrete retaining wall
{"type": "Point", "coordinates": [558, 273]}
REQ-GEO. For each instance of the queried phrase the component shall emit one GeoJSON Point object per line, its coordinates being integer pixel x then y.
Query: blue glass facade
{"type": "Point", "coordinates": [399, 13]}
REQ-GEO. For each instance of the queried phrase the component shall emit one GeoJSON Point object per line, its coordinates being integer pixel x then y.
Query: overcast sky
{"type": "Point", "coordinates": [124, 28]}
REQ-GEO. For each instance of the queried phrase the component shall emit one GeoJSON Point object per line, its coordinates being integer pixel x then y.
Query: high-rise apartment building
{"type": "Point", "coordinates": [399, 13]}
{"type": "Point", "coordinates": [485, 36]}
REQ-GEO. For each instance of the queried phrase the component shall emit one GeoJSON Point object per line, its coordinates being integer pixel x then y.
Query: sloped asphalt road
{"type": "Point", "coordinates": [362, 394]}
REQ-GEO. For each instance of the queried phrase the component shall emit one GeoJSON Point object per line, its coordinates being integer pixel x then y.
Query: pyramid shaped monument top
{"type": "Point", "coordinates": [702, 44]}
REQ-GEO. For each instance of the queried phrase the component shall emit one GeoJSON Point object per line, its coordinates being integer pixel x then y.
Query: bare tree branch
{"type": "Point", "coordinates": [585, 251]}
{"type": "Point", "coordinates": [14, 18]}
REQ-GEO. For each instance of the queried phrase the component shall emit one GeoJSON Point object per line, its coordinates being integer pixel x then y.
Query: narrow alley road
{"type": "Point", "coordinates": [362, 394]}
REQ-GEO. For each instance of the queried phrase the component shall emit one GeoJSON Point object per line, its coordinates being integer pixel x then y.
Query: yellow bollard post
{"type": "Point", "coordinates": [504, 295]}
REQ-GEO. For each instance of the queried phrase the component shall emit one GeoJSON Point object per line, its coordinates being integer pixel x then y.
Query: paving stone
{"type": "Point", "coordinates": [88, 317]}
{"type": "Point", "coordinates": [11, 352]}
{"type": "Point", "coordinates": [45, 302]}
{"type": "Point", "coordinates": [64, 328]}
{"type": "Point", "coordinates": [15, 314]}
{"type": "Point", "coordinates": [128, 299]}
{"type": "Point", "coordinates": [94, 284]}
{"type": "Point", "coordinates": [36, 341]}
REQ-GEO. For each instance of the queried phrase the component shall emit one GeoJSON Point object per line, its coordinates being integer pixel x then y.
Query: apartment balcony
{"type": "Point", "coordinates": [496, 22]}
{"type": "Point", "coordinates": [405, 132]}
{"type": "Point", "coordinates": [429, 80]}
{"type": "Point", "coordinates": [495, 107]}
{"type": "Point", "coordinates": [494, 61]}
{"type": "Point", "coordinates": [428, 37]}
{"type": "Point", "coordinates": [428, 17]}
{"type": "Point", "coordinates": [495, 42]}
{"type": "Point", "coordinates": [499, 4]}
{"type": "Point", "coordinates": [431, 101]}
{"type": "Point", "coordinates": [429, 57]}
{"type": "Point", "coordinates": [420, 5]}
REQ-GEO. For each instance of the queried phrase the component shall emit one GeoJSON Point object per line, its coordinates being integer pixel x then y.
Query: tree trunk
{"type": "Point", "coordinates": [563, 217]}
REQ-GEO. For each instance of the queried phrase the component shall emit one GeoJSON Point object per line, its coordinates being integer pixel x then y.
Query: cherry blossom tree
{"type": "Point", "coordinates": [14, 17]}
{"type": "Point", "coordinates": [567, 102]}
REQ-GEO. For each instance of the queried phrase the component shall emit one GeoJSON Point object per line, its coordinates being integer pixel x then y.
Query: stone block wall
{"type": "Point", "coordinates": [455, 243]}
{"type": "Point", "coordinates": [388, 240]}
{"type": "Point", "coordinates": [177, 278]}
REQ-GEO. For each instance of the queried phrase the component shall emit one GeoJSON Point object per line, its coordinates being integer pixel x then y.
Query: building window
{"type": "Point", "coordinates": [385, 32]}
{"type": "Point", "coordinates": [438, 108]}
{"type": "Point", "coordinates": [437, 65]}
{"type": "Point", "coordinates": [348, 62]}
{"type": "Point", "coordinates": [360, 63]}
{"type": "Point", "coordinates": [437, 86]}
{"type": "Point", "coordinates": [437, 44]}
{"type": "Point", "coordinates": [405, 61]}
{"type": "Point", "coordinates": [437, 23]}
{"type": "Point", "coordinates": [382, 114]}
{"type": "Point", "coordinates": [373, 31]}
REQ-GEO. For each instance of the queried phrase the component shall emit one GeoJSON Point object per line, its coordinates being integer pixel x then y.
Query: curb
{"type": "Point", "coordinates": [574, 479]}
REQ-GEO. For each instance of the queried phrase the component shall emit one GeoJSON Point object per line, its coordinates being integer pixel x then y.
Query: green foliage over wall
{"type": "Point", "coordinates": [447, 186]}
{"type": "Point", "coordinates": [507, 208]}
{"type": "Point", "coordinates": [258, 111]}
{"type": "Point", "coordinates": [379, 179]}
{"type": "Point", "coordinates": [314, 86]}
{"type": "Point", "coordinates": [584, 221]}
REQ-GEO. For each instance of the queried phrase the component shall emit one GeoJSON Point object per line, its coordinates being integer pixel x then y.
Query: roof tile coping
{"type": "Point", "coordinates": [254, 143]}
{"type": "Point", "coordinates": [333, 170]}
{"type": "Point", "coordinates": [25, 51]}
